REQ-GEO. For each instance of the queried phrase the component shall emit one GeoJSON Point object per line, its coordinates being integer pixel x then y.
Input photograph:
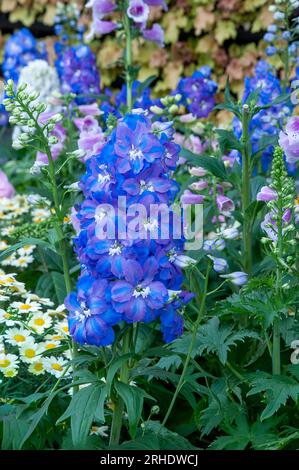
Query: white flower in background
{"type": "Point", "coordinates": [50, 344]}
{"type": "Point", "coordinates": [28, 306]}
{"type": "Point", "coordinates": [17, 336]}
{"type": "Point", "coordinates": [40, 215]}
{"type": "Point", "coordinates": [7, 230]}
{"type": "Point", "coordinates": [42, 78]}
{"type": "Point", "coordinates": [22, 261]}
{"type": "Point", "coordinates": [29, 351]}
{"type": "Point", "coordinates": [55, 365]}
{"type": "Point", "coordinates": [37, 367]}
{"type": "Point", "coordinates": [40, 321]}
{"type": "Point", "coordinates": [3, 245]}
{"type": "Point", "coordinates": [10, 372]}
{"type": "Point", "coordinates": [99, 431]}
{"type": "Point", "coordinates": [26, 250]}
{"type": "Point", "coordinates": [6, 317]}
{"type": "Point", "coordinates": [9, 260]}
{"type": "Point", "coordinates": [62, 328]}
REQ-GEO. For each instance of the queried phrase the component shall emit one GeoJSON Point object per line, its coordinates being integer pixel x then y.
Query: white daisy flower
{"type": "Point", "coordinates": [50, 344]}
{"type": "Point", "coordinates": [40, 321]}
{"type": "Point", "coordinates": [22, 261]}
{"type": "Point", "coordinates": [26, 250]}
{"type": "Point", "coordinates": [30, 351]}
{"type": "Point", "coordinates": [39, 215]}
{"type": "Point", "coordinates": [6, 318]}
{"type": "Point", "coordinates": [37, 367]}
{"type": "Point", "coordinates": [8, 361]}
{"type": "Point", "coordinates": [55, 365]}
{"type": "Point", "coordinates": [3, 245]}
{"type": "Point", "coordinates": [10, 372]}
{"type": "Point", "coordinates": [17, 336]}
{"type": "Point", "coordinates": [99, 431]}
{"type": "Point", "coordinates": [9, 260]}
{"type": "Point", "coordinates": [27, 307]}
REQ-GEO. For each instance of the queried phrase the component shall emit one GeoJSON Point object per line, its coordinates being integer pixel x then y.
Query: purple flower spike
{"type": "Point", "coordinates": [266, 194]}
{"type": "Point", "coordinates": [6, 188]}
{"type": "Point", "coordinates": [138, 11]}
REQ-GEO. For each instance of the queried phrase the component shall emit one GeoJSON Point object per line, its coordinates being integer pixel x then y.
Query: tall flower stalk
{"type": "Point", "coordinates": [279, 229]}
{"type": "Point", "coordinates": [246, 175]}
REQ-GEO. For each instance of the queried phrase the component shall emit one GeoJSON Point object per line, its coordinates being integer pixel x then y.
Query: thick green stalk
{"type": "Point", "coordinates": [128, 62]}
{"type": "Point", "coordinates": [119, 405]}
{"type": "Point", "coordinates": [246, 174]}
{"type": "Point", "coordinates": [191, 347]}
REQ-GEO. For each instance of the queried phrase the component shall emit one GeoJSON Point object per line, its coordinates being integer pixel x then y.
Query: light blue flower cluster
{"type": "Point", "coordinates": [266, 122]}
{"type": "Point", "coordinates": [131, 276]}
{"type": "Point", "coordinates": [20, 49]}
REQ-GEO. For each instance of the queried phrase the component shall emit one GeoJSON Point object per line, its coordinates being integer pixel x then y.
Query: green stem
{"type": "Point", "coordinates": [246, 174]}
{"type": "Point", "coordinates": [119, 405]}
{"type": "Point", "coordinates": [191, 347]}
{"type": "Point", "coordinates": [128, 62]}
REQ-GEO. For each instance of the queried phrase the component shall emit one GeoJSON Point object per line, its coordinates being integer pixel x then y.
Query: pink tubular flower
{"type": "Point", "coordinates": [224, 203]}
{"type": "Point", "coordinates": [91, 138]}
{"type": "Point", "coordinates": [189, 198]}
{"type": "Point", "coordinates": [155, 34]}
{"type": "Point", "coordinates": [60, 133]}
{"type": "Point", "coordinates": [138, 11]}
{"type": "Point", "coordinates": [289, 140]}
{"type": "Point", "coordinates": [6, 188]}
{"type": "Point", "coordinates": [90, 109]}
{"type": "Point", "coordinates": [266, 194]}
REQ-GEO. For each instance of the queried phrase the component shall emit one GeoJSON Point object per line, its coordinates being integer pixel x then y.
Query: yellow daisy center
{"type": "Point", "coordinates": [39, 321]}
{"type": "Point", "coordinates": [56, 366]}
{"type": "Point", "coordinates": [10, 373]}
{"type": "Point", "coordinates": [25, 307]}
{"type": "Point", "coordinates": [19, 338]}
{"type": "Point", "coordinates": [50, 345]}
{"type": "Point", "coordinates": [38, 367]}
{"type": "Point", "coordinates": [29, 353]}
{"type": "Point", "coordinates": [4, 362]}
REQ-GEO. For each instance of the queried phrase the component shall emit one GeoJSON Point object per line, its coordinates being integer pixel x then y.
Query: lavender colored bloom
{"type": "Point", "coordinates": [78, 73]}
{"type": "Point", "coordinates": [101, 8]}
{"type": "Point", "coordinates": [219, 264]}
{"type": "Point", "coordinates": [6, 188]}
{"type": "Point", "coordinates": [198, 92]}
{"type": "Point", "coordinates": [224, 203]}
{"type": "Point", "coordinates": [189, 198]}
{"type": "Point", "coordinates": [138, 11]}
{"type": "Point", "coordinates": [92, 138]}
{"type": "Point", "coordinates": [238, 278]}
{"type": "Point", "coordinates": [289, 140]}
{"type": "Point", "coordinates": [266, 194]}
{"type": "Point", "coordinates": [155, 34]}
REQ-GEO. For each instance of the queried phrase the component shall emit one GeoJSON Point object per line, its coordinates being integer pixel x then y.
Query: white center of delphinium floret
{"type": "Point", "coordinates": [144, 186]}
{"type": "Point", "coordinates": [141, 292]}
{"type": "Point", "coordinates": [151, 225]}
{"type": "Point", "coordinates": [104, 176]}
{"type": "Point", "coordinates": [172, 255]}
{"type": "Point", "coordinates": [115, 249]}
{"type": "Point", "coordinates": [135, 153]}
{"type": "Point", "coordinates": [83, 313]}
